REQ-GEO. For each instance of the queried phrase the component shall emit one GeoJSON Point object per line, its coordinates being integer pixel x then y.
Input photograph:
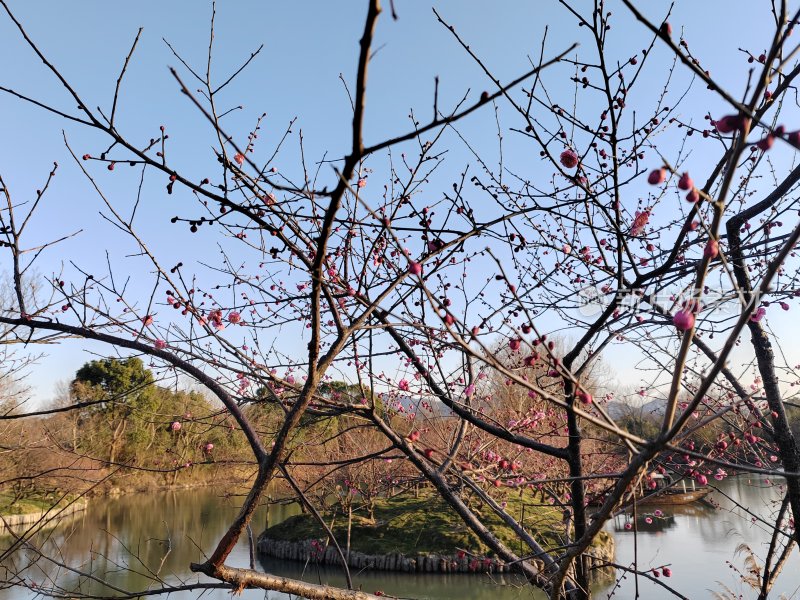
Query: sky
{"type": "Point", "coordinates": [308, 46]}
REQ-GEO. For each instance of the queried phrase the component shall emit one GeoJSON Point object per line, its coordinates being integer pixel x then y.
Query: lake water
{"type": "Point", "coordinates": [130, 540]}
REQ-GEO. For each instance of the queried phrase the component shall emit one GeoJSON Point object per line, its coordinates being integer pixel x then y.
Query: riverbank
{"type": "Point", "coordinates": [29, 508]}
{"type": "Point", "coordinates": [200, 475]}
{"type": "Point", "coordinates": [419, 535]}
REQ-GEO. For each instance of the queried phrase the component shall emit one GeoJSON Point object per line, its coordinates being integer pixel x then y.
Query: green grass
{"type": "Point", "coordinates": [425, 525]}
{"type": "Point", "coordinates": [24, 506]}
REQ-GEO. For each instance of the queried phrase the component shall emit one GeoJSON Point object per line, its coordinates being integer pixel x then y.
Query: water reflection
{"type": "Point", "coordinates": [644, 522]}
{"type": "Point", "coordinates": [139, 542]}
{"type": "Point", "coordinates": [131, 542]}
{"type": "Point", "coordinates": [134, 542]}
{"type": "Point", "coordinates": [410, 585]}
{"type": "Point", "coordinates": [697, 541]}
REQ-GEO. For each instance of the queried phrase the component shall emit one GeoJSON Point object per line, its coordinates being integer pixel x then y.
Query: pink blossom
{"type": "Point", "coordinates": [159, 344]}
{"type": "Point", "coordinates": [239, 158]}
{"type": "Point", "coordinates": [208, 447]}
{"type": "Point", "coordinates": [639, 222]}
{"type": "Point", "coordinates": [147, 320]}
{"type": "Point", "coordinates": [414, 268]}
{"type": "Point", "coordinates": [234, 317]}
{"type": "Point", "coordinates": [362, 182]}
{"type": "Point", "coordinates": [403, 385]}
{"type": "Point", "coordinates": [175, 426]}
{"type": "Point", "coordinates": [469, 391]}
{"type": "Point", "coordinates": [569, 158]}
{"type": "Point", "coordinates": [758, 315]}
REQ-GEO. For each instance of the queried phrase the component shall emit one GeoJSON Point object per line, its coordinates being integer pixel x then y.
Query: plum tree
{"type": "Point", "coordinates": [436, 299]}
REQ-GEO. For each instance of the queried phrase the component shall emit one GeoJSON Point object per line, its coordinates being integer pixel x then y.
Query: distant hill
{"type": "Point", "coordinates": [653, 408]}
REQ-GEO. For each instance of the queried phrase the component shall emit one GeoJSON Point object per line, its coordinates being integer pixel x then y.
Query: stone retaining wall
{"type": "Point", "coordinates": [18, 521]}
{"type": "Point", "coordinates": [316, 552]}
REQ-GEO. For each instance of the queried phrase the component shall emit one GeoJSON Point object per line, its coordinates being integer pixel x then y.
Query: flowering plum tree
{"type": "Point", "coordinates": [473, 316]}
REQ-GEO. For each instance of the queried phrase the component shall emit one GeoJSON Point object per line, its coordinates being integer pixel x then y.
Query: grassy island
{"type": "Point", "coordinates": [408, 526]}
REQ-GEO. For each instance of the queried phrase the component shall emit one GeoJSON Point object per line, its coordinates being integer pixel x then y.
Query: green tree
{"type": "Point", "coordinates": [125, 392]}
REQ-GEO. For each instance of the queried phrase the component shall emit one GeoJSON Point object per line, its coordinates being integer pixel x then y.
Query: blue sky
{"type": "Point", "coordinates": [307, 45]}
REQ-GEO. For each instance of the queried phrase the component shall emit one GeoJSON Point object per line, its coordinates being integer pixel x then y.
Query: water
{"type": "Point", "coordinates": [132, 542]}
{"type": "Point", "coordinates": [698, 543]}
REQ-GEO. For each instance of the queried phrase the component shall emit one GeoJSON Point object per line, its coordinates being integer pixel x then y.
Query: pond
{"type": "Point", "coordinates": [128, 540]}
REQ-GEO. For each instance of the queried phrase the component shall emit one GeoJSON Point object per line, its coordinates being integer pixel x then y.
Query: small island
{"type": "Point", "coordinates": [16, 511]}
{"type": "Point", "coordinates": [420, 534]}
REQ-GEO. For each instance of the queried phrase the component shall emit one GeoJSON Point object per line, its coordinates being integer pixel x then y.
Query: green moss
{"type": "Point", "coordinates": [424, 525]}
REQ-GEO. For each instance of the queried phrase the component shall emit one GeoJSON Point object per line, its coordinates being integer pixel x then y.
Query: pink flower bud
{"type": "Point", "coordinates": [657, 176]}
{"type": "Point", "coordinates": [683, 319]}
{"type": "Point", "coordinates": [685, 182]}
{"type": "Point", "coordinates": [712, 249]}
{"type": "Point", "coordinates": [730, 123]}
{"type": "Point", "coordinates": [766, 143]}
{"type": "Point", "coordinates": [514, 344]}
{"type": "Point", "coordinates": [414, 268]}
{"type": "Point", "coordinates": [239, 158]}
{"type": "Point", "coordinates": [693, 196]}
{"type": "Point", "coordinates": [727, 123]}
{"type": "Point", "coordinates": [175, 426]}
